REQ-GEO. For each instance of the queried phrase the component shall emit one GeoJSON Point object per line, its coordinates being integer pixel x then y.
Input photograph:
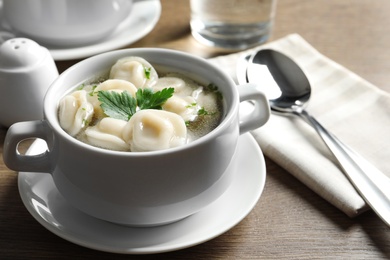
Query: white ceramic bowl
{"type": "Point", "coordinates": [140, 188]}
{"type": "Point", "coordinates": [65, 22]}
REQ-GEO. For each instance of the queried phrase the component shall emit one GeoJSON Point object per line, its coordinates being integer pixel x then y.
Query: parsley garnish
{"type": "Point", "coordinates": [93, 90]}
{"type": "Point", "coordinates": [214, 88]}
{"type": "Point", "coordinates": [147, 99]}
{"type": "Point", "coordinates": [203, 112]}
{"type": "Point", "coordinates": [117, 105]}
{"type": "Point", "coordinates": [123, 106]}
{"type": "Point", "coordinates": [191, 105]}
{"type": "Point", "coordinates": [147, 72]}
{"type": "Point", "coordinates": [81, 87]}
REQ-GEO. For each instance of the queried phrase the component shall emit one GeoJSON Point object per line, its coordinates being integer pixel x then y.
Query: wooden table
{"type": "Point", "coordinates": [289, 221]}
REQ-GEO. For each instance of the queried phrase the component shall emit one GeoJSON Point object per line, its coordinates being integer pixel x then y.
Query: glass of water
{"type": "Point", "coordinates": [232, 24]}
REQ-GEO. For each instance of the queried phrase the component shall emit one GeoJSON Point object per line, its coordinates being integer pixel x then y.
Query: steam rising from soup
{"type": "Point", "coordinates": [136, 109]}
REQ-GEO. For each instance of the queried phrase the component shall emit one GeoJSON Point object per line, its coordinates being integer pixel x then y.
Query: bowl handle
{"type": "Point", "coordinates": [256, 113]}
{"type": "Point", "coordinates": [22, 131]}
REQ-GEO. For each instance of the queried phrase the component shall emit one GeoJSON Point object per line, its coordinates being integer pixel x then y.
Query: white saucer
{"type": "Point", "coordinates": [141, 20]}
{"type": "Point", "coordinates": [49, 208]}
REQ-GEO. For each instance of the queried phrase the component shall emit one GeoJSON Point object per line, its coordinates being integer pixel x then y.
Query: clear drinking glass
{"type": "Point", "coordinates": [232, 24]}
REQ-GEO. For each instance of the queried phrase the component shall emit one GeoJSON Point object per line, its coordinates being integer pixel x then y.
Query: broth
{"type": "Point", "coordinates": [90, 111]}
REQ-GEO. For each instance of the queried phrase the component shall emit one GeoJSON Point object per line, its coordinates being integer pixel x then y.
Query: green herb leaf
{"type": "Point", "coordinates": [147, 72]}
{"type": "Point", "coordinates": [147, 99]}
{"type": "Point", "coordinates": [93, 90]}
{"type": "Point", "coordinates": [203, 112]}
{"type": "Point", "coordinates": [191, 105]}
{"type": "Point", "coordinates": [123, 106]}
{"type": "Point", "coordinates": [117, 105]}
{"type": "Point", "coordinates": [214, 88]}
{"type": "Point", "coordinates": [81, 87]}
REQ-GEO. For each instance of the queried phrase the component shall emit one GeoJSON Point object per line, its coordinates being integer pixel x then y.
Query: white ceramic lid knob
{"type": "Point", "coordinates": [26, 72]}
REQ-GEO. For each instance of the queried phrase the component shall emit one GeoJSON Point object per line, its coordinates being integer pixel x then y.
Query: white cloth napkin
{"type": "Point", "coordinates": [357, 112]}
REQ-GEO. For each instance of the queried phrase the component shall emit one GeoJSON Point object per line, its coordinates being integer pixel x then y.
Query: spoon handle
{"type": "Point", "coordinates": [371, 183]}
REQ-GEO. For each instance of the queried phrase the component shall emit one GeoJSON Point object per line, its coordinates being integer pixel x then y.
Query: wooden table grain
{"type": "Point", "coordinates": [289, 221]}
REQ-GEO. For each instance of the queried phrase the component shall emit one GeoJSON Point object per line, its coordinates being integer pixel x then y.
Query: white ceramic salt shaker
{"type": "Point", "coordinates": [26, 72]}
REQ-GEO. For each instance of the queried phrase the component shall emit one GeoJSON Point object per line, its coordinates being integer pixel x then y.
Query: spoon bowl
{"type": "Point", "coordinates": [288, 90]}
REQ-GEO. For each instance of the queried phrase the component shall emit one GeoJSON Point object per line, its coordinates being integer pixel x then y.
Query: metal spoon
{"type": "Point", "coordinates": [288, 91]}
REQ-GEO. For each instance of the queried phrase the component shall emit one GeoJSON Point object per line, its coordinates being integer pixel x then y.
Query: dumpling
{"type": "Point", "coordinates": [186, 107]}
{"type": "Point", "coordinates": [152, 130]}
{"type": "Point", "coordinates": [75, 112]}
{"type": "Point", "coordinates": [135, 70]}
{"type": "Point", "coordinates": [173, 82]}
{"type": "Point", "coordinates": [108, 134]}
{"type": "Point", "coordinates": [117, 85]}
